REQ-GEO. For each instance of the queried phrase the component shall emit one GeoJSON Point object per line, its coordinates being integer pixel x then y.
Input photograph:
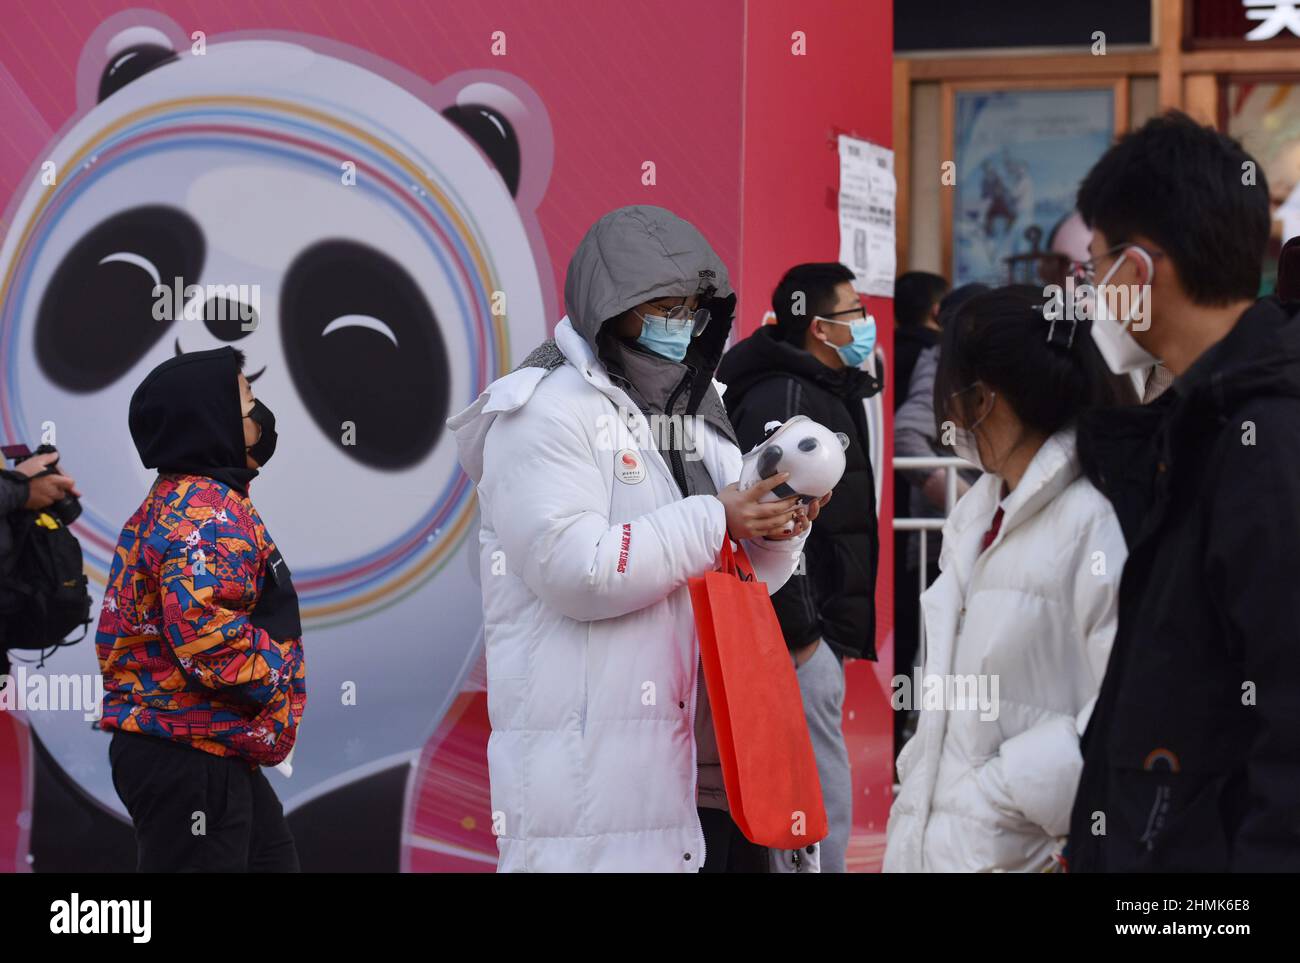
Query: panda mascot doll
{"type": "Point", "coordinates": [810, 452]}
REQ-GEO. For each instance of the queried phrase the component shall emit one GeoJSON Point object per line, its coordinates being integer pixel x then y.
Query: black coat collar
{"type": "Point", "coordinates": [763, 354]}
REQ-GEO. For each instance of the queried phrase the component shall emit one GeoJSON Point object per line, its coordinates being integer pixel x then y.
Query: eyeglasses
{"type": "Point", "coordinates": [962, 391]}
{"type": "Point", "coordinates": [1085, 272]}
{"type": "Point", "coordinates": [860, 311]}
{"type": "Point", "coordinates": [679, 315]}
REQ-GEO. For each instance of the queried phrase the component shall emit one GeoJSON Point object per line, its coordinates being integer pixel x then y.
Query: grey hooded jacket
{"type": "Point", "coordinates": [630, 256]}
{"type": "Point", "coordinates": [638, 254]}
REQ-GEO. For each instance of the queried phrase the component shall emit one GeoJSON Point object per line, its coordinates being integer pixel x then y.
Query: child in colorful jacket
{"type": "Point", "coordinates": [199, 636]}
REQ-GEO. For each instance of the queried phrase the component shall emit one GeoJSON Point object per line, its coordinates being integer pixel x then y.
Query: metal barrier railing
{"type": "Point", "coordinates": [951, 466]}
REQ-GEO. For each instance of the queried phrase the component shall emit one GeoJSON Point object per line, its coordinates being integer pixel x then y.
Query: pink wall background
{"type": "Point", "coordinates": [622, 83]}
{"type": "Point", "coordinates": [693, 85]}
{"type": "Point", "coordinates": [794, 106]}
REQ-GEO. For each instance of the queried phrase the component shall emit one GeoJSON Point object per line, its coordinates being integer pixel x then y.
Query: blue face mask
{"type": "Point", "coordinates": [668, 340]}
{"type": "Point", "coordinates": [864, 340]}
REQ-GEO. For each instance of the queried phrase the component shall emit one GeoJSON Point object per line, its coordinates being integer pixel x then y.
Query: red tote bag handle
{"type": "Point", "coordinates": [735, 561]}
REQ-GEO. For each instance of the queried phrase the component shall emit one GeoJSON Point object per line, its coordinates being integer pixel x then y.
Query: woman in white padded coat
{"type": "Point", "coordinates": [606, 472]}
{"type": "Point", "coordinates": [1018, 626]}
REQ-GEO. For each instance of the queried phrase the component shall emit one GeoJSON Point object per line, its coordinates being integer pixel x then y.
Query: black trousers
{"type": "Point", "coordinates": [726, 850]}
{"type": "Point", "coordinates": [198, 813]}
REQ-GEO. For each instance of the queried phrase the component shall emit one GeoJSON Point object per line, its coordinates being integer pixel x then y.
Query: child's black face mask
{"type": "Point", "coordinates": [264, 448]}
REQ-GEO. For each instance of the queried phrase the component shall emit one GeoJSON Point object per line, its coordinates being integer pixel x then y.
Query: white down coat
{"type": "Point", "coordinates": [1037, 611]}
{"type": "Point", "coordinates": [592, 654]}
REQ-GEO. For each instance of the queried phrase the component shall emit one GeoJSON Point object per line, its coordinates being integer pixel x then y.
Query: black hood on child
{"type": "Point", "coordinates": [186, 418]}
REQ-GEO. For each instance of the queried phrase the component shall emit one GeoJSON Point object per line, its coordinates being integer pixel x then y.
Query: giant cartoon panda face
{"type": "Point", "coordinates": [393, 278]}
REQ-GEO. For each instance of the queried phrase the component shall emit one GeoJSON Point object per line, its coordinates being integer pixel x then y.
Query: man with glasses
{"type": "Point", "coordinates": [1192, 756]}
{"type": "Point", "coordinates": [1144, 383]}
{"type": "Point", "coordinates": [810, 363]}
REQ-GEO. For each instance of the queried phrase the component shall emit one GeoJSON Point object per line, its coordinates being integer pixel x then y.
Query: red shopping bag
{"type": "Point", "coordinates": [767, 757]}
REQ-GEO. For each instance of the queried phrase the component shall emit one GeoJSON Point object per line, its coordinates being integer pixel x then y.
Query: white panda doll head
{"type": "Point", "coordinates": [809, 451]}
{"type": "Point", "coordinates": [381, 232]}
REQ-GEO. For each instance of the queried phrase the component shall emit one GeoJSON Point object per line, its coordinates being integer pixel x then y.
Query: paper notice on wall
{"type": "Point", "coordinates": [867, 205]}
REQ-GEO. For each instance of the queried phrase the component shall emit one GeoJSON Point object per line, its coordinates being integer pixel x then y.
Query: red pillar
{"type": "Point", "coordinates": [794, 105]}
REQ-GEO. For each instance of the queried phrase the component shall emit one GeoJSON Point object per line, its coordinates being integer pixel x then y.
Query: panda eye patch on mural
{"type": "Point", "coordinates": [96, 317]}
{"type": "Point", "coordinates": [363, 346]}
{"type": "Point", "coordinates": [230, 319]}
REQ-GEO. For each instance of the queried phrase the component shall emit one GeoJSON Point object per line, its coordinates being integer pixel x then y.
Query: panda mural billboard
{"type": "Point", "coordinates": [370, 242]}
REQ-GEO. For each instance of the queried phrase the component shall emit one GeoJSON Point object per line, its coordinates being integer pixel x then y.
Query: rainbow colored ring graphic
{"type": "Point", "coordinates": [1161, 755]}
{"type": "Point", "coordinates": [315, 138]}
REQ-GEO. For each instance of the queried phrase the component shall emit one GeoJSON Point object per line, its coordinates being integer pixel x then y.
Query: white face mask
{"type": "Point", "coordinates": [1118, 348]}
{"type": "Point", "coordinates": [964, 441]}
{"type": "Point", "coordinates": [965, 446]}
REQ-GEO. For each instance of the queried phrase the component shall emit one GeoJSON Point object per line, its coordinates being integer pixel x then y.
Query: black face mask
{"type": "Point", "coordinates": [265, 447]}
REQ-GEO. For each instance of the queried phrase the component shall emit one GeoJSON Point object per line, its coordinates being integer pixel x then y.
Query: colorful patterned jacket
{"type": "Point", "coordinates": [198, 637]}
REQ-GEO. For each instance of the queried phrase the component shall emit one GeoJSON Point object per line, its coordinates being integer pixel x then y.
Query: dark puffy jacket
{"type": "Point", "coordinates": [13, 496]}
{"type": "Point", "coordinates": [1192, 755]}
{"type": "Point", "coordinates": [834, 599]}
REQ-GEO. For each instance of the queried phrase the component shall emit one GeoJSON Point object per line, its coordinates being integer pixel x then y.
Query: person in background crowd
{"type": "Point", "coordinates": [1192, 759]}
{"type": "Point", "coordinates": [589, 537]}
{"type": "Point", "coordinates": [199, 635]}
{"type": "Point", "coordinates": [21, 488]}
{"type": "Point", "coordinates": [915, 436]}
{"type": "Point", "coordinates": [917, 295]}
{"type": "Point", "coordinates": [1026, 600]}
{"type": "Point", "coordinates": [808, 363]}
{"type": "Point", "coordinates": [1067, 244]}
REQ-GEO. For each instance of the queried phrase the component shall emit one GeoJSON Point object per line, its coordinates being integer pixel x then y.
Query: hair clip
{"type": "Point", "coordinates": [1058, 339]}
{"type": "Point", "coordinates": [1056, 330]}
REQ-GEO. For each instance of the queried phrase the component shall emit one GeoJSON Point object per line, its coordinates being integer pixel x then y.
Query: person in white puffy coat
{"type": "Point", "coordinates": [605, 468]}
{"type": "Point", "coordinates": [1019, 624]}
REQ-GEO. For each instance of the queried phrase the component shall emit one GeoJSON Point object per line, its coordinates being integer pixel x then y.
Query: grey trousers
{"type": "Point", "coordinates": [821, 683]}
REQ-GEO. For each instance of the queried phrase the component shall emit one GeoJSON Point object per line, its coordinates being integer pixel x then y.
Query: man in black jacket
{"type": "Point", "coordinates": [808, 364]}
{"type": "Point", "coordinates": [1192, 755]}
